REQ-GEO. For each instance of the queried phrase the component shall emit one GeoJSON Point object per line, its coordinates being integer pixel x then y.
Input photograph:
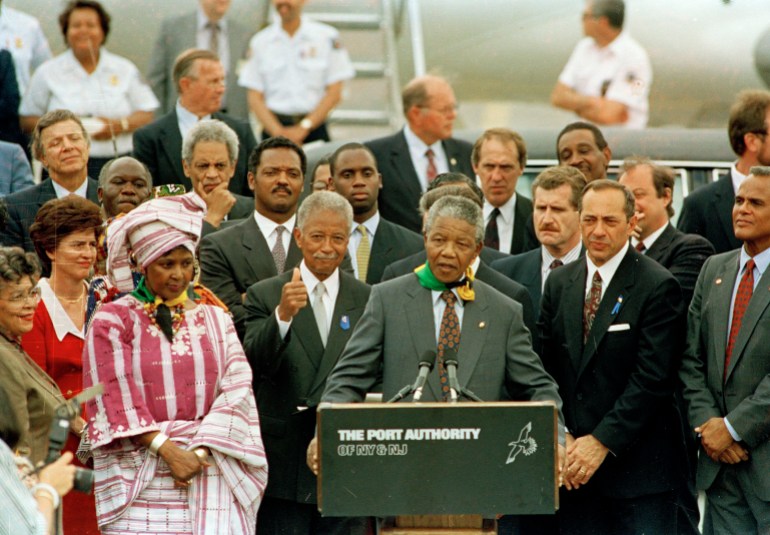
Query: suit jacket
{"type": "Point", "coordinates": [291, 372]}
{"type": "Point", "coordinates": [708, 211]}
{"type": "Point", "coordinates": [524, 238]}
{"type": "Point", "coordinates": [391, 242]}
{"type": "Point", "coordinates": [159, 146]}
{"type": "Point", "coordinates": [22, 209]}
{"type": "Point", "coordinates": [683, 255]}
{"type": "Point", "coordinates": [10, 130]}
{"type": "Point", "coordinates": [15, 172]}
{"type": "Point", "coordinates": [176, 35]}
{"type": "Point", "coordinates": [34, 397]}
{"type": "Point", "coordinates": [236, 257]}
{"type": "Point", "coordinates": [243, 208]}
{"type": "Point", "coordinates": [743, 396]}
{"type": "Point", "coordinates": [495, 355]}
{"type": "Point", "coordinates": [619, 385]}
{"type": "Point", "coordinates": [400, 194]}
{"type": "Point", "coordinates": [505, 286]}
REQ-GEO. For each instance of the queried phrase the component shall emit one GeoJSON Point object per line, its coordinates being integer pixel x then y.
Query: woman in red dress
{"type": "Point", "coordinates": [64, 233]}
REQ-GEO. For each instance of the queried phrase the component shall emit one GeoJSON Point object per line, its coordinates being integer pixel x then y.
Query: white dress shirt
{"type": "Point", "coordinates": [606, 271]}
{"type": "Point", "coordinates": [22, 36]}
{"type": "Point", "coordinates": [62, 192]}
{"type": "Point", "coordinates": [186, 119]}
{"type": "Point", "coordinates": [417, 150]}
{"type": "Point", "coordinates": [504, 222]}
{"type": "Point", "coordinates": [268, 226]}
{"type": "Point", "coordinates": [547, 258]}
{"type": "Point", "coordinates": [649, 240]}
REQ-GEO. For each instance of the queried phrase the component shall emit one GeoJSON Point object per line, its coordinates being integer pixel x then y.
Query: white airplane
{"type": "Point", "coordinates": [504, 56]}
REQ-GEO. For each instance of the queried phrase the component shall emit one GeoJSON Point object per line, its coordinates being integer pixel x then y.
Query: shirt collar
{"type": "Point", "coordinates": [268, 226]}
{"type": "Point", "coordinates": [436, 296]}
{"type": "Point", "coordinates": [608, 269]}
{"type": "Point", "coordinates": [203, 20]}
{"type": "Point", "coordinates": [650, 240]}
{"type": "Point", "coordinates": [571, 255]}
{"type": "Point", "coordinates": [475, 266]}
{"type": "Point", "coordinates": [761, 260]}
{"type": "Point", "coordinates": [186, 118]}
{"type": "Point", "coordinates": [371, 224]}
{"type": "Point", "coordinates": [416, 144]}
{"type": "Point", "coordinates": [506, 210]}
{"type": "Point", "coordinates": [62, 324]}
{"type": "Point", "coordinates": [736, 177]}
{"type": "Point", "coordinates": [332, 282]}
{"type": "Point", "coordinates": [61, 191]}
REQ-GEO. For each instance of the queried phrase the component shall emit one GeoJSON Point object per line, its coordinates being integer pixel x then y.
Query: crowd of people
{"type": "Point", "coordinates": [219, 292]}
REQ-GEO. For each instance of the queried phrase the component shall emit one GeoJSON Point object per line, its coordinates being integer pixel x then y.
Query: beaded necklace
{"type": "Point", "coordinates": [170, 324]}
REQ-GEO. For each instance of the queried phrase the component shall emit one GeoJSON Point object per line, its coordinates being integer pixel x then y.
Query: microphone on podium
{"type": "Point", "coordinates": [425, 365]}
{"type": "Point", "coordinates": [455, 390]}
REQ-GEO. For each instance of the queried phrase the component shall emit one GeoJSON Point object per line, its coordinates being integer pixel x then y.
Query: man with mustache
{"type": "Point", "coordinates": [556, 193]}
{"type": "Point", "coordinates": [611, 331]}
{"type": "Point", "coordinates": [297, 325]}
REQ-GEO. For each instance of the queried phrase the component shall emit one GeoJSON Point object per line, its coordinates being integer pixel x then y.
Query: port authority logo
{"type": "Point", "coordinates": [524, 444]}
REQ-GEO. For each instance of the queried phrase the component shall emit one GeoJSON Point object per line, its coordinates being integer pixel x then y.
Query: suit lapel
{"type": "Point", "coordinates": [661, 245]}
{"type": "Point", "coordinates": [519, 228]}
{"type": "Point", "coordinates": [305, 329]}
{"type": "Point", "coordinates": [618, 293]}
{"type": "Point", "coordinates": [418, 307]}
{"type": "Point", "coordinates": [293, 255]}
{"type": "Point", "coordinates": [754, 313]}
{"type": "Point", "coordinates": [573, 302]}
{"type": "Point", "coordinates": [722, 207]}
{"type": "Point", "coordinates": [473, 334]}
{"type": "Point", "coordinates": [450, 149]}
{"type": "Point", "coordinates": [172, 147]}
{"type": "Point", "coordinates": [721, 297]}
{"type": "Point", "coordinates": [401, 160]}
{"type": "Point", "coordinates": [381, 247]}
{"type": "Point", "coordinates": [257, 256]}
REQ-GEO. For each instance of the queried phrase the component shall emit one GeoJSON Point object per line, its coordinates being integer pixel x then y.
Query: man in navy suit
{"type": "Point", "coordinates": [556, 193]}
{"type": "Point", "coordinates": [375, 242]}
{"type": "Point", "coordinates": [612, 332]}
{"type": "Point", "coordinates": [61, 144]}
{"type": "Point", "coordinates": [682, 254]}
{"type": "Point", "coordinates": [412, 157]}
{"type": "Point", "coordinates": [499, 157]}
{"type": "Point", "coordinates": [708, 210]}
{"type": "Point", "coordinates": [200, 81]}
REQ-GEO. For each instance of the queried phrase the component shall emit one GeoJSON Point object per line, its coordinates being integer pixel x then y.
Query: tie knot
{"type": "Point", "coordinates": [597, 278]}
{"type": "Point", "coordinates": [361, 229]}
{"type": "Point", "coordinates": [319, 289]}
{"type": "Point", "coordinates": [750, 266]}
{"type": "Point", "coordinates": [449, 297]}
{"type": "Point", "coordinates": [557, 263]}
{"type": "Point", "coordinates": [212, 25]}
{"type": "Point", "coordinates": [279, 230]}
{"type": "Point", "coordinates": [641, 247]}
{"type": "Point", "coordinates": [429, 153]}
{"type": "Point", "coordinates": [495, 213]}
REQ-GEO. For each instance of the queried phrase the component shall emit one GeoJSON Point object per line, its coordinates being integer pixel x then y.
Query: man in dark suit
{"type": "Point", "coordinates": [259, 247]}
{"type": "Point", "coordinates": [611, 328]}
{"type": "Point", "coordinates": [499, 157]}
{"type": "Point", "coordinates": [199, 78]}
{"type": "Point", "coordinates": [412, 157]}
{"type": "Point", "coordinates": [448, 184]}
{"type": "Point", "coordinates": [209, 157]}
{"type": "Point", "coordinates": [229, 42]}
{"type": "Point", "coordinates": [421, 311]}
{"type": "Point", "coordinates": [708, 210]}
{"type": "Point", "coordinates": [726, 371]}
{"type": "Point", "coordinates": [682, 254]}
{"type": "Point", "coordinates": [292, 347]}
{"type": "Point", "coordinates": [582, 145]}
{"type": "Point", "coordinates": [61, 144]}
{"type": "Point", "coordinates": [556, 193]}
{"type": "Point", "coordinates": [375, 242]}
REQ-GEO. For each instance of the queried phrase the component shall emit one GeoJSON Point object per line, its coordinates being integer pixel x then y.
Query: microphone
{"type": "Point", "coordinates": [450, 363]}
{"type": "Point", "coordinates": [427, 361]}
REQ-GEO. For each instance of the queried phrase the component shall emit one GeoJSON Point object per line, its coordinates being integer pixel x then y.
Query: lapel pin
{"type": "Point", "coordinates": [719, 281]}
{"type": "Point", "coordinates": [482, 324]}
{"type": "Point", "coordinates": [616, 308]}
{"type": "Point", "coordinates": [345, 322]}
{"type": "Point", "coordinates": [453, 161]}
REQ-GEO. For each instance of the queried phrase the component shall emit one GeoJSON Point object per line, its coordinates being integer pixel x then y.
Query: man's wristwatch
{"type": "Point", "coordinates": [306, 123]}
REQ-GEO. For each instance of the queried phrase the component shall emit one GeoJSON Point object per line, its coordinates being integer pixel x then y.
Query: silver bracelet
{"type": "Point", "coordinates": [156, 443]}
{"type": "Point", "coordinates": [48, 489]}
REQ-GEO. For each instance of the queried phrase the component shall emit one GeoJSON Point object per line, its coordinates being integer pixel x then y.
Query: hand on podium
{"type": "Point", "coordinates": [312, 456]}
{"type": "Point", "coordinates": [562, 452]}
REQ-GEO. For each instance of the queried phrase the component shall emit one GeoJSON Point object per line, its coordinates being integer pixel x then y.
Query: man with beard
{"type": "Point", "coordinates": [374, 241]}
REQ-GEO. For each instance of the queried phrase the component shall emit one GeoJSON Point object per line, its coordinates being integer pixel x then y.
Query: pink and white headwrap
{"type": "Point", "coordinates": [151, 230]}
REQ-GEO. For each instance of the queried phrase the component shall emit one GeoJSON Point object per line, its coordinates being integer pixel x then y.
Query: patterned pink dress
{"type": "Point", "coordinates": [197, 390]}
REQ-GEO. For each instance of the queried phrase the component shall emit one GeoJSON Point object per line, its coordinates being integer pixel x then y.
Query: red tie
{"type": "Point", "coordinates": [431, 172]}
{"type": "Point", "coordinates": [591, 304]}
{"type": "Point", "coordinates": [742, 298]}
{"type": "Point", "coordinates": [640, 247]}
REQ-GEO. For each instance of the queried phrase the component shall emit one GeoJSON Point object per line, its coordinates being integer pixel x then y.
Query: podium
{"type": "Point", "coordinates": [436, 466]}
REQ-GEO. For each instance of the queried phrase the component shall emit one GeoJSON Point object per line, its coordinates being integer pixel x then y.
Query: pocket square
{"type": "Point", "coordinates": [619, 327]}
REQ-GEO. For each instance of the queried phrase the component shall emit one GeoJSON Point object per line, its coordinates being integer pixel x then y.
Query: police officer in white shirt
{"type": "Point", "coordinates": [608, 77]}
{"type": "Point", "coordinates": [295, 74]}
{"type": "Point", "coordinates": [23, 37]}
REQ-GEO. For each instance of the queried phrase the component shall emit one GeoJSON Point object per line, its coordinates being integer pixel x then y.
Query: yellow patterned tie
{"type": "Point", "coordinates": [362, 253]}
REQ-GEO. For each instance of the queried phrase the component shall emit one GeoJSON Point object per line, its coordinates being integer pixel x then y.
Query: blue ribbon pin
{"type": "Point", "coordinates": [616, 308]}
{"type": "Point", "coordinates": [345, 322]}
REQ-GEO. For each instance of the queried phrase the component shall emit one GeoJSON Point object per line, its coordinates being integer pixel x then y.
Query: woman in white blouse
{"type": "Point", "coordinates": [105, 90]}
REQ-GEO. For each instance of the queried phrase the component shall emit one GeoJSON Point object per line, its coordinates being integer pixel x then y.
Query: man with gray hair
{"type": "Point", "coordinates": [439, 307]}
{"type": "Point", "coordinates": [726, 372]}
{"type": "Point", "coordinates": [297, 325]}
{"type": "Point", "coordinates": [209, 155]}
{"type": "Point", "coordinates": [200, 80]}
{"type": "Point", "coordinates": [608, 76]}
